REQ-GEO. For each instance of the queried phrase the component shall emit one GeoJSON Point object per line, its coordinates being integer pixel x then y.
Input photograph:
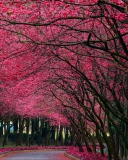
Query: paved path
{"type": "Point", "coordinates": [37, 155]}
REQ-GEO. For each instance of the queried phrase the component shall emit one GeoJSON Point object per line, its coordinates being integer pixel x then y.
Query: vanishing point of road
{"type": "Point", "coordinates": [37, 155]}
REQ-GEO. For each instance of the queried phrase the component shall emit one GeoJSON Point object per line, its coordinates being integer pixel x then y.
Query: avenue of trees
{"type": "Point", "coordinates": [67, 61]}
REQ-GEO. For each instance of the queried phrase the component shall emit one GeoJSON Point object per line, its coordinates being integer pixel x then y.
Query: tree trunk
{"type": "Point", "coordinates": [100, 142]}
{"type": "Point", "coordinates": [110, 147]}
{"type": "Point", "coordinates": [15, 123]}
{"type": "Point", "coordinates": [52, 132]}
{"type": "Point", "coordinates": [87, 144]}
{"type": "Point", "coordinates": [93, 142]}
{"type": "Point", "coordinates": [57, 133]}
{"type": "Point", "coordinates": [27, 131]}
{"type": "Point", "coordinates": [7, 130]}
{"type": "Point", "coordinates": [33, 131]}
{"type": "Point", "coordinates": [1, 128]}
{"type": "Point", "coordinates": [21, 127]}
{"type": "Point", "coordinates": [60, 138]}
{"type": "Point", "coordinates": [66, 137]}
{"type": "Point", "coordinates": [79, 146]}
{"type": "Point", "coordinates": [47, 133]}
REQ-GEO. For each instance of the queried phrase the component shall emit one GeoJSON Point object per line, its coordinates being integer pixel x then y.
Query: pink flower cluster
{"type": "Point", "coordinates": [85, 155]}
{"type": "Point", "coordinates": [6, 150]}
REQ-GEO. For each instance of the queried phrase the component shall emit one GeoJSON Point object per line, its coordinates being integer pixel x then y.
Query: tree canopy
{"type": "Point", "coordinates": [66, 60]}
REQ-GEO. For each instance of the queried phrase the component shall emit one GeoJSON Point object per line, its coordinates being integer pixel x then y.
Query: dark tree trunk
{"type": "Point", "coordinates": [66, 137]}
{"type": "Point", "coordinates": [15, 123]}
{"type": "Point", "coordinates": [47, 133]}
{"type": "Point", "coordinates": [33, 131]}
{"type": "Point", "coordinates": [100, 142]}
{"type": "Point", "coordinates": [1, 129]}
{"type": "Point", "coordinates": [7, 130]}
{"type": "Point", "coordinates": [110, 147]}
{"type": "Point", "coordinates": [79, 146]}
{"type": "Point", "coordinates": [60, 138]}
{"type": "Point", "coordinates": [27, 131]}
{"type": "Point", "coordinates": [21, 127]}
{"type": "Point", "coordinates": [39, 133]}
{"type": "Point", "coordinates": [87, 144]}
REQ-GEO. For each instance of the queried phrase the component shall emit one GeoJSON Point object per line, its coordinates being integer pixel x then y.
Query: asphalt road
{"type": "Point", "coordinates": [37, 155]}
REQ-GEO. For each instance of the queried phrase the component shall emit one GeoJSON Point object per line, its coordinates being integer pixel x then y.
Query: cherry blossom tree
{"type": "Point", "coordinates": [69, 58]}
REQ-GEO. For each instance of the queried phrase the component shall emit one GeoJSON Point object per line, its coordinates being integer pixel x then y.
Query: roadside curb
{"type": "Point", "coordinates": [5, 154]}
{"type": "Point", "coordinates": [70, 156]}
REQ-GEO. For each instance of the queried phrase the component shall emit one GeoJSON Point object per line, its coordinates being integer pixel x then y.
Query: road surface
{"type": "Point", "coordinates": [37, 155]}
